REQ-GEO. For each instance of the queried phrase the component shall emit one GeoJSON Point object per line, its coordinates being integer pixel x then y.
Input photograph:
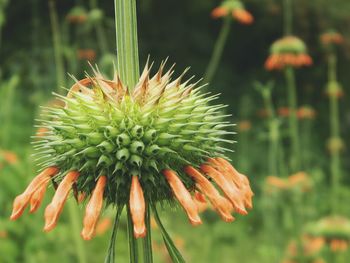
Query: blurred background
{"type": "Point", "coordinates": [299, 215]}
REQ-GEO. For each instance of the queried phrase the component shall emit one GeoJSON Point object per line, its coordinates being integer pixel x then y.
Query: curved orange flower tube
{"type": "Point", "coordinates": [54, 209]}
{"type": "Point", "coordinates": [227, 186]}
{"type": "Point", "coordinates": [22, 200]}
{"type": "Point", "coordinates": [220, 203]}
{"type": "Point", "coordinates": [137, 208]}
{"type": "Point", "coordinates": [93, 209]}
{"type": "Point", "coordinates": [183, 196]}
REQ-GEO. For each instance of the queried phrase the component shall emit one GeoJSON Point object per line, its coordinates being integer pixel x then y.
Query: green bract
{"type": "Point", "coordinates": [104, 129]}
{"type": "Point", "coordinates": [288, 44]}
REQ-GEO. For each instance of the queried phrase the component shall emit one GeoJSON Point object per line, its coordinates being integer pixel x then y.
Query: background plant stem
{"type": "Point", "coordinates": [218, 50]}
{"type": "Point", "coordinates": [293, 120]}
{"type": "Point", "coordinates": [56, 38]}
{"type": "Point", "coordinates": [292, 94]}
{"type": "Point", "coordinates": [334, 129]}
{"type": "Point", "coordinates": [75, 224]}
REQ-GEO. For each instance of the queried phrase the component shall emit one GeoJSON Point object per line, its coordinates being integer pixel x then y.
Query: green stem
{"type": "Point", "coordinates": [133, 248]}
{"type": "Point", "coordinates": [110, 258]}
{"type": "Point", "coordinates": [335, 131]}
{"type": "Point", "coordinates": [57, 45]}
{"type": "Point", "coordinates": [293, 120]}
{"type": "Point", "coordinates": [273, 134]}
{"type": "Point", "coordinates": [127, 45]}
{"type": "Point", "coordinates": [147, 241]}
{"type": "Point", "coordinates": [75, 224]}
{"type": "Point", "coordinates": [288, 17]}
{"type": "Point", "coordinates": [218, 50]}
{"type": "Point", "coordinates": [101, 36]}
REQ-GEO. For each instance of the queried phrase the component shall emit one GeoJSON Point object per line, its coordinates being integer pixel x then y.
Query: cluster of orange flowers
{"type": "Point", "coordinates": [331, 38]}
{"type": "Point", "coordinates": [310, 248]}
{"type": "Point", "coordinates": [238, 196]}
{"type": "Point", "coordinates": [303, 112]}
{"type": "Point", "coordinates": [236, 9]}
{"type": "Point", "coordinates": [299, 180]}
{"type": "Point", "coordinates": [288, 51]}
{"type": "Point", "coordinates": [333, 230]}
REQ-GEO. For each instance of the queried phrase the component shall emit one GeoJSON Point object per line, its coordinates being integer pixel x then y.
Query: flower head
{"type": "Point", "coordinates": [288, 51]}
{"type": "Point", "coordinates": [334, 89]}
{"type": "Point", "coordinates": [77, 15]}
{"type": "Point", "coordinates": [234, 8]}
{"type": "Point", "coordinates": [335, 230]}
{"type": "Point", "coordinates": [331, 37]}
{"type": "Point", "coordinates": [160, 142]}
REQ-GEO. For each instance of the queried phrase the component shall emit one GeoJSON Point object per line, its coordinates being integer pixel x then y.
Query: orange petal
{"type": "Point", "coordinates": [22, 200]}
{"type": "Point", "coordinates": [137, 208]}
{"type": "Point", "coordinates": [38, 197]}
{"type": "Point", "coordinates": [239, 179]}
{"type": "Point", "coordinates": [229, 171]}
{"type": "Point", "coordinates": [93, 209]}
{"type": "Point", "coordinates": [183, 196]}
{"type": "Point", "coordinates": [200, 197]}
{"type": "Point", "coordinates": [228, 187]}
{"type": "Point", "coordinates": [219, 12]}
{"type": "Point", "coordinates": [220, 204]}
{"type": "Point", "coordinates": [54, 209]}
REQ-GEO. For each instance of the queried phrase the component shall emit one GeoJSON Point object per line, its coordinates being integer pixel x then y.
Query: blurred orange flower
{"type": "Point", "coordinates": [234, 8]}
{"type": "Point", "coordinates": [288, 51]}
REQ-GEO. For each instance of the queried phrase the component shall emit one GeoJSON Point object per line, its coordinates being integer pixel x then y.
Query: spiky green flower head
{"type": "Point", "coordinates": [106, 130]}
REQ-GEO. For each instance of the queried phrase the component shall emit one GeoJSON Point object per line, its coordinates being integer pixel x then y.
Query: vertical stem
{"type": "Point", "coordinates": [288, 17]}
{"type": "Point", "coordinates": [218, 50]}
{"type": "Point", "coordinates": [101, 37]}
{"type": "Point", "coordinates": [293, 121]}
{"type": "Point", "coordinates": [56, 38]}
{"type": "Point", "coordinates": [75, 224]}
{"type": "Point", "coordinates": [147, 241]}
{"type": "Point", "coordinates": [335, 131]}
{"type": "Point", "coordinates": [273, 134]}
{"type": "Point", "coordinates": [133, 249]}
{"type": "Point", "coordinates": [127, 45]}
{"type": "Point", "coordinates": [110, 258]}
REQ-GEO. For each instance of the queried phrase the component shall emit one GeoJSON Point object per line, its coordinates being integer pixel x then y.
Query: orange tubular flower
{"type": "Point", "coordinates": [93, 209]}
{"type": "Point", "coordinates": [54, 209]}
{"type": "Point", "coordinates": [137, 208]}
{"type": "Point", "coordinates": [239, 179]}
{"type": "Point", "coordinates": [219, 12]}
{"type": "Point", "coordinates": [243, 16]}
{"type": "Point", "coordinates": [38, 197]}
{"type": "Point", "coordinates": [183, 196]}
{"type": "Point", "coordinates": [227, 186]}
{"type": "Point", "coordinates": [220, 204]}
{"type": "Point", "coordinates": [22, 200]}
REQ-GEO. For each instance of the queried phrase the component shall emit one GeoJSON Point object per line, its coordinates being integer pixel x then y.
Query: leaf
{"type": "Point", "coordinates": [172, 250]}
